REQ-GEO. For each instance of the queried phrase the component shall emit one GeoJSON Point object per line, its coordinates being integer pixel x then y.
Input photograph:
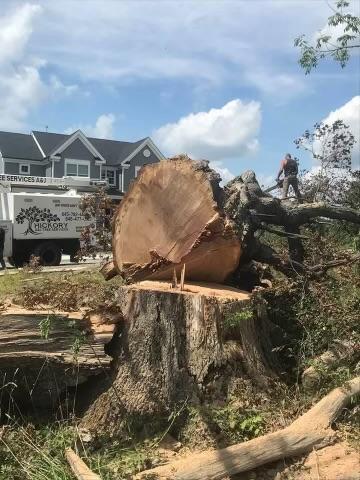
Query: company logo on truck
{"type": "Point", "coordinates": [40, 220]}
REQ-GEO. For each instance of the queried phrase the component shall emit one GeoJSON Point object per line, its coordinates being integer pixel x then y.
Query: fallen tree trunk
{"type": "Point", "coordinates": [42, 355]}
{"type": "Point", "coordinates": [310, 430]}
{"type": "Point", "coordinates": [171, 345]}
{"type": "Point", "coordinates": [173, 215]}
{"type": "Point", "coordinates": [176, 213]}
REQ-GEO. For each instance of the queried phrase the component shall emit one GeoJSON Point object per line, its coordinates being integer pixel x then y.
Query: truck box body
{"type": "Point", "coordinates": [41, 224]}
{"type": "Point", "coordinates": [43, 216]}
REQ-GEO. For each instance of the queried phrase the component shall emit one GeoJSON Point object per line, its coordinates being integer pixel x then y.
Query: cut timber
{"type": "Point", "coordinates": [308, 431]}
{"type": "Point", "coordinates": [78, 466]}
{"type": "Point", "coordinates": [108, 270]}
{"type": "Point", "coordinates": [171, 344]}
{"type": "Point", "coordinates": [171, 215]}
{"type": "Point", "coordinates": [41, 355]}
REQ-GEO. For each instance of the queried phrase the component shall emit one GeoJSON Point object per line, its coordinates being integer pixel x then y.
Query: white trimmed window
{"type": "Point", "coordinates": [77, 168]}
{"type": "Point", "coordinates": [137, 169]}
{"type": "Point", "coordinates": [24, 169]}
{"type": "Point", "coordinates": [108, 174]}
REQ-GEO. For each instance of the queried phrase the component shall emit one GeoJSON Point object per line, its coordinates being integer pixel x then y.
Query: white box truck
{"type": "Point", "coordinates": [41, 224]}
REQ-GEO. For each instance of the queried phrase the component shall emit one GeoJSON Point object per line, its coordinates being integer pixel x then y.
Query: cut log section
{"type": "Point", "coordinates": [173, 215]}
{"type": "Point", "coordinates": [171, 344]}
{"type": "Point", "coordinates": [42, 355]}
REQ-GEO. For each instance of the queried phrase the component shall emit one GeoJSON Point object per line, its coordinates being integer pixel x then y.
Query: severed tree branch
{"type": "Point", "coordinates": [310, 430]}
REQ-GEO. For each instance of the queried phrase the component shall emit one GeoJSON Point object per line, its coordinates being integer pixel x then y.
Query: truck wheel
{"type": "Point", "coordinates": [18, 259]}
{"type": "Point", "coordinates": [49, 254]}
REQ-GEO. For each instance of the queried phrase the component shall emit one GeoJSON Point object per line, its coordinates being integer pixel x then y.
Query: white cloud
{"type": "Point", "coordinates": [59, 87]}
{"type": "Point", "coordinates": [15, 30]}
{"type": "Point", "coordinates": [224, 172]}
{"type": "Point", "coordinates": [229, 131]}
{"type": "Point", "coordinates": [349, 113]}
{"type": "Point", "coordinates": [19, 92]}
{"type": "Point", "coordinates": [201, 41]}
{"type": "Point", "coordinates": [22, 87]}
{"type": "Point", "coordinates": [103, 128]}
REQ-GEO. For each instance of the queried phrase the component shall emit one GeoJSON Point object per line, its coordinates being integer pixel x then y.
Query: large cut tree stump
{"type": "Point", "coordinates": [42, 355]}
{"type": "Point", "coordinates": [173, 343]}
{"type": "Point", "coordinates": [173, 215]}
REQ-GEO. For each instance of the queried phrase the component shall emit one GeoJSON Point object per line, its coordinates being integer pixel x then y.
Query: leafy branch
{"type": "Point", "coordinates": [338, 48]}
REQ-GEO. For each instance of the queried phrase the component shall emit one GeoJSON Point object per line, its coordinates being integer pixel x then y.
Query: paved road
{"type": "Point", "coordinates": [65, 266]}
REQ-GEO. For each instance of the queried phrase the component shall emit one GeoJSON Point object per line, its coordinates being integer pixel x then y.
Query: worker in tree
{"type": "Point", "coordinates": [2, 244]}
{"type": "Point", "coordinates": [290, 169]}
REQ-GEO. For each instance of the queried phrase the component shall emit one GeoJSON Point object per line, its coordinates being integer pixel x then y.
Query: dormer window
{"type": "Point", "coordinates": [24, 169]}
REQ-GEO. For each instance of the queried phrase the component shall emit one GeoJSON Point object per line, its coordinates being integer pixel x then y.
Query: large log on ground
{"type": "Point", "coordinates": [42, 355]}
{"type": "Point", "coordinates": [309, 431]}
{"type": "Point", "coordinates": [173, 215]}
{"type": "Point", "coordinates": [173, 343]}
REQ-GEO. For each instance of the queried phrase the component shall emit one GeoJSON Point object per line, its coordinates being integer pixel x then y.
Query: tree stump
{"type": "Point", "coordinates": [171, 344]}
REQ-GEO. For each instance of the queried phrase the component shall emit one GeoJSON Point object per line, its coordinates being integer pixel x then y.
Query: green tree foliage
{"type": "Point", "coordinates": [331, 146]}
{"type": "Point", "coordinates": [339, 47]}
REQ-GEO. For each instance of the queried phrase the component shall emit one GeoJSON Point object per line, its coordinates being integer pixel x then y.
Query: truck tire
{"type": "Point", "coordinates": [49, 254]}
{"type": "Point", "coordinates": [18, 259]}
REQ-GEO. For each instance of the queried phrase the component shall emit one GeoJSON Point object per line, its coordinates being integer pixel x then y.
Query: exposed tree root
{"type": "Point", "coordinates": [310, 430]}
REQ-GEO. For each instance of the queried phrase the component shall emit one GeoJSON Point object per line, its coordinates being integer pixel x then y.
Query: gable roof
{"type": "Point", "coordinates": [114, 151]}
{"type": "Point", "coordinates": [19, 145]}
{"type": "Point", "coordinates": [49, 141]}
{"type": "Point", "coordinates": [31, 146]}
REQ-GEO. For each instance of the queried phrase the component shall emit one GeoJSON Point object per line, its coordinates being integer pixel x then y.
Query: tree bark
{"type": "Point", "coordinates": [41, 355]}
{"type": "Point", "coordinates": [308, 431]}
{"type": "Point", "coordinates": [78, 466]}
{"type": "Point", "coordinates": [172, 342]}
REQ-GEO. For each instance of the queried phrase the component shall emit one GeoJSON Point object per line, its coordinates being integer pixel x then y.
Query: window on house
{"type": "Point", "coordinates": [77, 169]}
{"type": "Point", "coordinates": [137, 169]}
{"type": "Point", "coordinates": [24, 169]}
{"type": "Point", "coordinates": [109, 175]}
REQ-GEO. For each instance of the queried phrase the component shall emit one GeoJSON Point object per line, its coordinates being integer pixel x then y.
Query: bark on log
{"type": "Point", "coordinates": [308, 431]}
{"type": "Point", "coordinates": [78, 466]}
{"type": "Point", "coordinates": [172, 342]}
{"type": "Point", "coordinates": [38, 369]}
{"type": "Point", "coordinates": [172, 215]}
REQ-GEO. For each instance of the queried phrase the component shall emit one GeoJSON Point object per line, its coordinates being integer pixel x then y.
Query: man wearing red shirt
{"type": "Point", "coordinates": [290, 169]}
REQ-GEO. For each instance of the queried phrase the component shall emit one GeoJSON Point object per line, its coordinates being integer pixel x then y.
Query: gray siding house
{"type": "Point", "coordinates": [55, 155]}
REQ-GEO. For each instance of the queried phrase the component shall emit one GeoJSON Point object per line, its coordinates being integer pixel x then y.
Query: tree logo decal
{"type": "Point", "coordinates": [34, 215]}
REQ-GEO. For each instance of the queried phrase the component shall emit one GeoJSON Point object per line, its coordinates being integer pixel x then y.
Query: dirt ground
{"type": "Point", "coordinates": [334, 462]}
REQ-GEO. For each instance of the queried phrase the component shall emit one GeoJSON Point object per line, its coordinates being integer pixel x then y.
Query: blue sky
{"type": "Point", "coordinates": [214, 79]}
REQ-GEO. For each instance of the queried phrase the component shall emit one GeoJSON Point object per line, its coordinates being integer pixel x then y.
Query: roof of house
{"type": "Point", "coordinates": [19, 146]}
{"type": "Point", "coordinates": [23, 146]}
{"type": "Point", "coordinates": [114, 151]}
{"type": "Point", "coordinates": [49, 141]}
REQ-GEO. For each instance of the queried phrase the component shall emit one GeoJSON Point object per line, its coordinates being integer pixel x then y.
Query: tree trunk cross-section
{"type": "Point", "coordinates": [172, 215]}
{"type": "Point", "coordinates": [170, 343]}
